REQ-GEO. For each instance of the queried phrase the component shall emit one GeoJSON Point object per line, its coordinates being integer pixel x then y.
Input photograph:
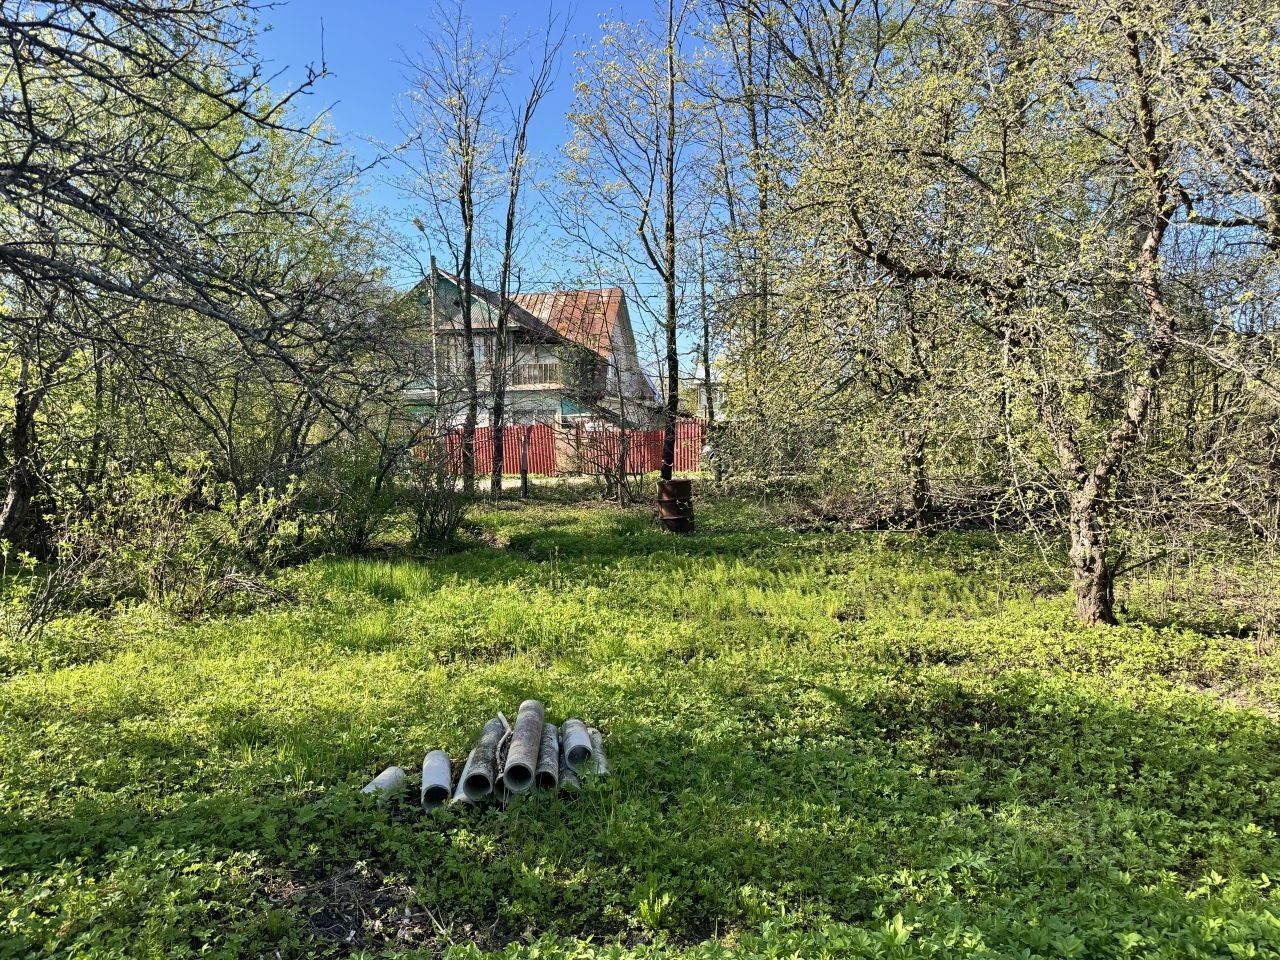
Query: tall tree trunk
{"type": "Point", "coordinates": [524, 464]}
{"type": "Point", "coordinates": [672, 406]}
{"type": "Point", "coordinates": [921, 496]}
{"type": "Point", "coordinates": [1091, 569]}
{"type": "Point", "coordinates": [498, 430]}
{"type": "Point", "coordinates": [540, 83]}
{"type": "Point", "coordinates": [707, 384]}
{"type": "Point", "coordinates": [1093, 572]}
{"type": "Point", "coordinates": [469, 343]}
{"type": "Point", "coordinates": [753, 66]}
{"type": "Point", "coordinates": [1093, 577]}
{"type": "Point", "coordinates": [22, 524]}
{"type": "Point", "coordinates": [498, 360]}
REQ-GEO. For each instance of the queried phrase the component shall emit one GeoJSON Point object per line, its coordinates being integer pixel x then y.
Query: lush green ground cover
{"type": "Point", "coordinates": [825, 746]}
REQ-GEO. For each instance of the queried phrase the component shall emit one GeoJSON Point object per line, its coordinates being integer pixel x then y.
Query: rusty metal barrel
{"type": "Point", "coordinates": [675, 505]}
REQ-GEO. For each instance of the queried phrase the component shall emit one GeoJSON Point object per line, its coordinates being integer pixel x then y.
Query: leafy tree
{"type": "Point", "coordinates": [1036, 171]}
{"type": "Point", "coordinates": [450, 152]}
{"type": "Point", "coordinates": [149, 212]}
{"type": "Point", "coordinates": [637, 131]}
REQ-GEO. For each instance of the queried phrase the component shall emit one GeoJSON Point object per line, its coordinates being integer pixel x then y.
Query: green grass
{"type": "Point", "coordinates": [850, 745]}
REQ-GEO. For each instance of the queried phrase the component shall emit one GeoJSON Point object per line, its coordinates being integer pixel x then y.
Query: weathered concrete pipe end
{"type": "Point", "coordinates": [481, 770]}
{"type": "Point", "coordinates": [387, 782]}
{"type": "Point", "coordinates": [597, 748]}
{"type": "Point", "coordinates": [460, 793]}
{"type": "Point", "coordinates": [474, 783]}
{"type": "Point", "coordinates": [522, 752]}
{"type": "Point", "coordinates": [547, 776]}
{"type": "Point", "coordinates": [437, 779]}
{"type": "Point", "coordinates": [575, 741]}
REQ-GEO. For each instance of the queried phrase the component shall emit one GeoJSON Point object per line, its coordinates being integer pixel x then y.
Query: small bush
{"type": "Point", "coordinates": [176, 539]}
{"type": "Point", "coordinates": [435, 498]}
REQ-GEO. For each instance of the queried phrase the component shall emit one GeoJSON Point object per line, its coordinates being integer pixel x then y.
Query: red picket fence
{"type": "Point", "coordinates": [581, 449]}
{"type": "Point", "coordinates": [600, 450]}
{"type": "Point", "coordinates": [540, 439]}
{"type": "Point", "coordinates": [691, 437]}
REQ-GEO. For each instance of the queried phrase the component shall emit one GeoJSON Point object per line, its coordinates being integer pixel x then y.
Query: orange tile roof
{"type": "Point", "coordinates": [585, 317]}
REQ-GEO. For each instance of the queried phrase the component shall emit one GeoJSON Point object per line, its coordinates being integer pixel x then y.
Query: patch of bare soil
{"type": "Point", "coordinates": [362, 909]}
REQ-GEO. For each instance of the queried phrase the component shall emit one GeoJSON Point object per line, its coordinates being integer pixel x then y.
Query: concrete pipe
{"type": "Point", "coordinates": [547, 776]}
{"type": "Point", "coordinates": [597, 746]}
{"type": "Point", "coordinates": [481, 770]}
{"type": "Point", "coordinates": [460, 795]}
{"type": "Point", "coordinates": [387, 782]}
{"type": "Point", "coordinates": [437, 779]}
{"type": "Point", "coordinates": [568, 779]}
{"type": "Point", "coordinates": [522, 753]}
{"type": "Point", "coordinates": [575, 740]}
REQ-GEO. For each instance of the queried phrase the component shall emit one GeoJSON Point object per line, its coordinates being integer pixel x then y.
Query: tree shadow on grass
{"type": "Point", "coordinates": [954, 800]}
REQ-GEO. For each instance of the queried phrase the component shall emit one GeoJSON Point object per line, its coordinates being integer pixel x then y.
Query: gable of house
{"type": "Point", "coordinates": [598, 320]}
{"type": "Point", "coordinates": [485, 308]}
{"type": "Point", "coordinates": [603, 379]}
{"type": "Point", "coordinates": [584, 317]}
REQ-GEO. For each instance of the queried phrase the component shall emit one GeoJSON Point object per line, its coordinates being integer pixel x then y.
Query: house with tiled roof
{"type": "Point", "coordinates": [571, 356]}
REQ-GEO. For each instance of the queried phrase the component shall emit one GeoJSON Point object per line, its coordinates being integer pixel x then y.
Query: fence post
{"type": "Point", "coordinates": [524, 463]}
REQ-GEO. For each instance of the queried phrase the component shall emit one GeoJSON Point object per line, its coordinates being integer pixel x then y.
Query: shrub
{"type": "Point", "coordinates": [174, 538]}
{"type": "Point", "coordinates": [434, 496]}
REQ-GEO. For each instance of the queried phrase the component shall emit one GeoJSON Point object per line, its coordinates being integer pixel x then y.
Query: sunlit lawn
{"type": "Point", "coordinates": [825, 745]}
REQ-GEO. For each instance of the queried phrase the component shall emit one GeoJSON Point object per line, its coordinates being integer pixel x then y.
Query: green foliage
{"type": "Point", "coordinates": [364, 487]}
{"type": "Point", "coordinates": [987, 260]}
{"type": "Point", "coordinates": [352, 496]}
{"type": "Point", "coordinates": [434, 497]}
{"type": "Point", "coordinates": [176, 538]}
{"type": "Point", "coordinates": [855, 745]}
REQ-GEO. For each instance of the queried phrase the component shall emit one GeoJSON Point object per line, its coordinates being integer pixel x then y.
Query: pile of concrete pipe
{"type": "Point", "coordinates": [507, 760]}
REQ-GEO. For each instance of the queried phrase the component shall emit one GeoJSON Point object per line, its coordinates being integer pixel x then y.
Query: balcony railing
{"type": "Point", "coordinates": [529, 374]}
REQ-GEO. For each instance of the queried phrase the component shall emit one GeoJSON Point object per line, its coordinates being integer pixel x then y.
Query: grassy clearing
{"type": "Point", "coordinates": [825, 745]}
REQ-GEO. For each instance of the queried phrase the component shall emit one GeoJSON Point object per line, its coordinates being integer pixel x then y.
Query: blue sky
{"type": "Point", "coordinates": [364, 45]}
